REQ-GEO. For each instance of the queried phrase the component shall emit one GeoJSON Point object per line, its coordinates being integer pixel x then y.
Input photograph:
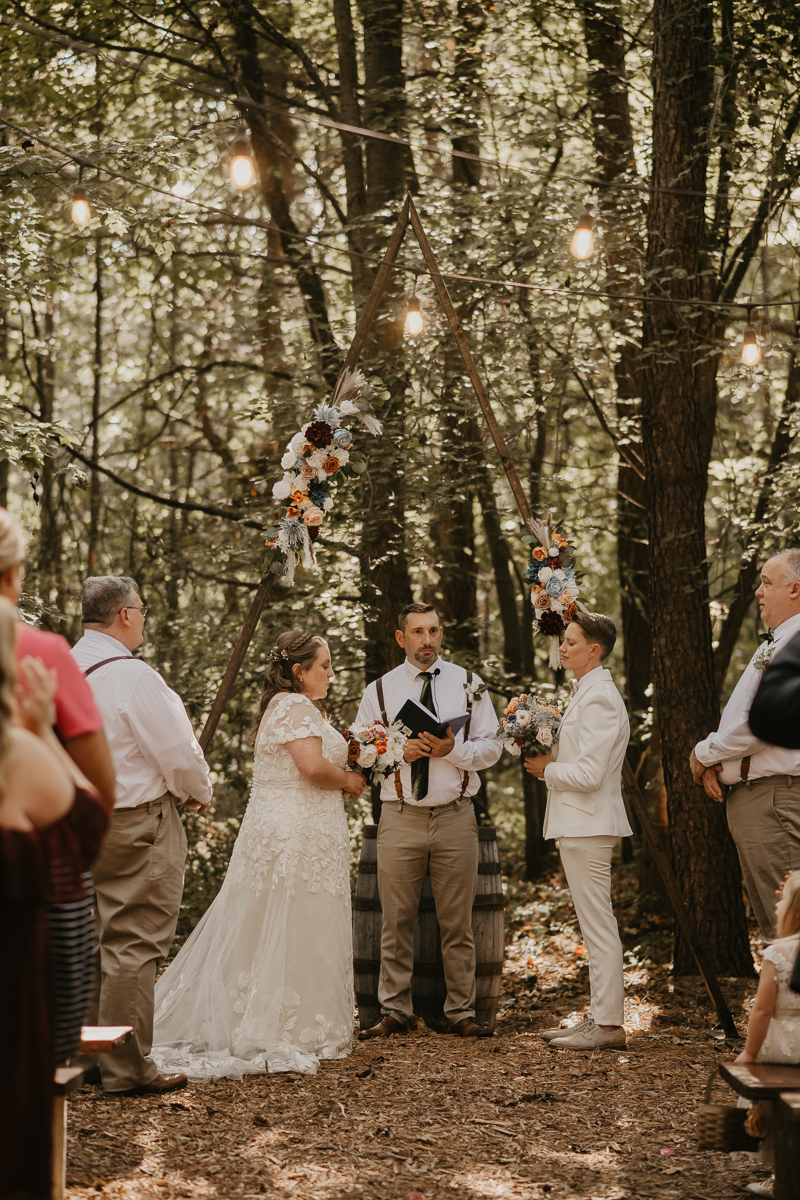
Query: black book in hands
{"type": "Point", "coordinates": [416, 719]}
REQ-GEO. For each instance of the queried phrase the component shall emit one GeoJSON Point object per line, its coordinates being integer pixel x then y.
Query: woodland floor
{"type": "Point", "coordinates": [467, 1120]}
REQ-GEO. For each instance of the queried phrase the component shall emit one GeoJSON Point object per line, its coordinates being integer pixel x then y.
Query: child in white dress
{"type": "Point", "coordinates": [773, 1032]}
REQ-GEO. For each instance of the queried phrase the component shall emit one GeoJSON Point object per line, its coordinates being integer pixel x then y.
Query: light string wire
{"type": "Point", "coordinates": [254, 222]}
{"type": "Point", "coordinates": [313, 118]}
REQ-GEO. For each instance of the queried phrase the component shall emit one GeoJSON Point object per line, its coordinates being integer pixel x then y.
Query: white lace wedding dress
{"type": "Point", "coordinates": [265, 982]}
{"type": "Point", "coordinates": [782, 1043]}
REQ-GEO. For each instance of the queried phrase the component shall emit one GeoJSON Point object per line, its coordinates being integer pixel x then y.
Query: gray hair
{"type": "Point", "coordinates": [791, 560]}
{"type": "Point", "coordinates": [104, 595]}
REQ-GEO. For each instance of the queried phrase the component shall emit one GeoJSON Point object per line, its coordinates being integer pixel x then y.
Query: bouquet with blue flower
{"type": "Point", "coordinates": [554, 586]}
{"type": "Point", "coordinates": [530, 725]}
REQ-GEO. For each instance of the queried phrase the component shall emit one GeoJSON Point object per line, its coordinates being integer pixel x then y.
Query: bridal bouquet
{"type": "Point", "coordinates": [530, 725]}
{"type": "Point", "coordinates": [554, 588]}
{"type": "Point", "coordinates": [375, 750]}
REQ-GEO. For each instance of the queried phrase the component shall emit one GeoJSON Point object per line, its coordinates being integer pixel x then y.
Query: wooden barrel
{"type": "Point", "coordinates": [427, 984]}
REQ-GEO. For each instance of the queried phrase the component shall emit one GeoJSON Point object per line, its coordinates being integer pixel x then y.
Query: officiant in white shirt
{"type": "Point", "coordinates": [763, 805]}
{"type": "Point", "coordinates": [428, 821]}
{"type": "Point", "coordinates": [138, 876]}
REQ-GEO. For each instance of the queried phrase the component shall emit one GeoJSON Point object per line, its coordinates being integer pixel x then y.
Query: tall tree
{"type": "Point", "coordinates": [704, 856]}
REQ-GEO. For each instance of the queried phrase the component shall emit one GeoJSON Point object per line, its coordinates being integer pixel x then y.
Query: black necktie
{"type": "Point", "coordinates": [419, 768]}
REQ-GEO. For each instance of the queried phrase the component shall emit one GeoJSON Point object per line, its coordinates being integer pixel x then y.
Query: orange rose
{"type": "Point", "coordinates": [539, 553]}
{"type": "Point", "coordinates": [541, 601]}
{"type": "Point", "coordinates": [380, 746]}
{"type": "Point", "coordinates": [353, 751]}
{"type": "Point", "coordinates": [512, 707]}
{"type": "Point", "coordinates": [570, 611]}
{"type": "Point", "coordinates": [331, 465]}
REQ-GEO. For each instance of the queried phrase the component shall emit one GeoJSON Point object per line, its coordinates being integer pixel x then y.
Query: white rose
{"type": "Point", "coordinates": [327, 503]}
{"type": "Point", "coordinates": [555, 605]}
{"type": "Point", "coordinates": [288, 460]}
{"type": "Point", "coordinates": [560, 573]}
{"type": "Point", "coordinates": [545, 735]}
{"type": "Point", "coordinates": [281, 489]}
{"type": "Point", "coordinates": [297, 443]}
{"type": "Point", "coordinates": [317, 459]}
{"type": "Point", "coordinates": [553, 551]}
{"type": "Point", "coordinates": [368, 757]}
{"type": "Point", "coordinates": [347, 407]}
{"type": "Point", "coordinates": [544, 574]}
{"type": "Point", "coordinates": [343, 456]}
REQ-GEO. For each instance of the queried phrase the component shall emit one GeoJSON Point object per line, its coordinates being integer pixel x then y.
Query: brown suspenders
{"type": "Point", "coordinates": [117, 658]}
{"type": "Point", "coordinates": [398, 787]}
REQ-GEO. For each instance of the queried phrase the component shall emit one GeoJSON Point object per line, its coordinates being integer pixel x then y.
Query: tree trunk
{"type": "Point", "coordinates": [704, 857]}
{"type": "Point", "coordinates": [50, 575]}
{"type": "Point", "coordinates": [94, 478]}
{"type": "Point", "coordinates": [612, 131]}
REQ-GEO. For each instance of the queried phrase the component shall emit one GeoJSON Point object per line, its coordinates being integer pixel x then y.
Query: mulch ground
{"type": "Point", "coordinates": [450, 1118]}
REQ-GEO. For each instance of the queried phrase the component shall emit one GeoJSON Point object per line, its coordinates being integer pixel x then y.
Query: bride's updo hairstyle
{"type": "Point", "coordinates": [293, 648]}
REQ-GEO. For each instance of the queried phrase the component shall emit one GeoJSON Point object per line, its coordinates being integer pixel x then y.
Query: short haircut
{"type": "Point", "coordinates": [411, 609]}
{"type": "Point", "coordinates": [791, 560]}
{"type": "Point", "coordinates": [104, 595]}
{"type": "Point", "coordinates": [597, 628]}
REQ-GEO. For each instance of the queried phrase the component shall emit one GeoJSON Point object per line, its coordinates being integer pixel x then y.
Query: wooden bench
{"type": "Point", "coordinates": [95, 1039]}
{"type": "Point", "coordinates": [781, 1085]}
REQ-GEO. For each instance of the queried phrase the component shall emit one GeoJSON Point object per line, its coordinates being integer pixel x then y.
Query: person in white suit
{"type": "Point", "coordinates": [586, 813]}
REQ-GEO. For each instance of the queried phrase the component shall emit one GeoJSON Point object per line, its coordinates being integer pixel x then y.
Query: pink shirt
{"type": "Point", "coordinates": [76, 711]}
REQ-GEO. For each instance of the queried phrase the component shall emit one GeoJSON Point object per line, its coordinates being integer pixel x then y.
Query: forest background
{"type": "Point", "coordinates": [154, 362]}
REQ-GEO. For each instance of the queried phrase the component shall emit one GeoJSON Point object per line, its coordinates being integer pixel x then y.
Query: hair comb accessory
{"type": "Point", "coordinates": [276, 655]}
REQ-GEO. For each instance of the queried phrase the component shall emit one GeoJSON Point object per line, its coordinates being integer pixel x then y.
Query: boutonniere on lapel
{"type": "Point", "coordinates": [475, 689]}
{"type": "Point", "coordinates": [530, 725]}
{"type": "Point", "coordinates": [763, 656]}
{"type": "Point", "coordinates": [554, 586]}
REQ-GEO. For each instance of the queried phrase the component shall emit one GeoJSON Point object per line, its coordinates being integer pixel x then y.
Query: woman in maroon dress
{"type": "Point", "coordinates": [51, 826]}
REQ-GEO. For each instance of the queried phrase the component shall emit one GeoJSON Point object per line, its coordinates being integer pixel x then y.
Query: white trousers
{"type": "Point", "coordinates": [587, 866]}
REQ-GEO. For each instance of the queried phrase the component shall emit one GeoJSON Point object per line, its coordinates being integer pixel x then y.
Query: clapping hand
{"type": "Point", "coordinates": [35, 696]}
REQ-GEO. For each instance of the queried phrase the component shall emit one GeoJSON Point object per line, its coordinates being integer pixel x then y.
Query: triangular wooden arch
{"type": "Point", "coordinates": [409, 216]}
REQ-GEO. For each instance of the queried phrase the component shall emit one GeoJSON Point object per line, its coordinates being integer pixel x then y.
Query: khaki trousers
{"type": "Point", "coordinates": [411, 841]}
{"type": "Point", "coordinates": [587, 866]}
{"type": "Point", "coordinates": [138, 879]}
{"type": "Point", "coordinates": [764, 820]}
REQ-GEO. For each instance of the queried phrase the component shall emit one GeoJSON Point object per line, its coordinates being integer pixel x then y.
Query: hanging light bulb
{"type": "Point", "coordinates": [582, 244]}
{"type": "Point", "coordinates": [242, 170]}
{"type": "Point", "coordinates": [413, 325]}
{"type": "Point", "coordinates": [751, 351]}
{"type": "Point", "coordinates": [80, 211]}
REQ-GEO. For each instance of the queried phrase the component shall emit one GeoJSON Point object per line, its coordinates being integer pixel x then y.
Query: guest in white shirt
{"type": "Point", "coordinates": [428, 822]}
{"type": "Point", "coordinates": [763, 805]}
{"type": "Point", "coordinates": [585, 811]}
{"type": "Point", "coordinates": [138, 876]}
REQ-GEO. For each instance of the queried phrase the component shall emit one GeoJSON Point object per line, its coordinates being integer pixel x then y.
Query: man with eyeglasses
{"type": "Point", "coordinates": [138, 876]}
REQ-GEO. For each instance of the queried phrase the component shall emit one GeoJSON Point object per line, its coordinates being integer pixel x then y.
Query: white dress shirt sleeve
{"type": "Point", "coordinates": [586, 775]}
{"type": "Point", "coordinates": [165, 737]}
{"type": "Point", "coordinates": [369, 710]}
{"type": "Point", "coordinates": [483, 748]}
{"type": "Point", "coordinates": [733, 740]}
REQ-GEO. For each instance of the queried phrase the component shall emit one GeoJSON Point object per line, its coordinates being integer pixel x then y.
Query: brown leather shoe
{"type": "Point", "coordinates": [157, 1087]}
{"type": "Point", "coordinates": [386, 1026]}
{"type": "Point", "coordinates": [469, 1028]}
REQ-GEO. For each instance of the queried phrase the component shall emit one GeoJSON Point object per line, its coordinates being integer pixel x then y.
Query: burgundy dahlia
{"type": "Point", "coordinates": [320, 434]}
{"type": "Point", "coordinates": [552, 624]}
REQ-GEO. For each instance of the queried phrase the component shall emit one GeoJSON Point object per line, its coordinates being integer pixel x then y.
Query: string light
{"type": "Point", "coordinates": [751, 351]}
{"type": "Point", "coordinates": [242, 170]}
{"type": "Point", "coordinates": [413, 323]}
{"type": "Point", "coordinates": [582, 244]}
{"type": "Point", "coordinates": [80, 211]}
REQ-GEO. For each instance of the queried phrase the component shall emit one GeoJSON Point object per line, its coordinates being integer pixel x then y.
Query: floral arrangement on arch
{"type": "Point", "coordinates": [554, 587]}
{"type": "Point", "coordinates": [314, 457]}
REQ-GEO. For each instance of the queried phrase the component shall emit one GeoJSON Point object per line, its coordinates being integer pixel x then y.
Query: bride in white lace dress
{"type": "Point", "coordinates": [265, 982]}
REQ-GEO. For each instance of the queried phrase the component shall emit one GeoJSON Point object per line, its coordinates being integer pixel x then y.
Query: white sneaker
{"type": "Point", "coordinates": [566, 1030]}
{"type": "Point", "coordinates": [591, 1037]}
{"type": "Point", "coordinates": [761, 1189]}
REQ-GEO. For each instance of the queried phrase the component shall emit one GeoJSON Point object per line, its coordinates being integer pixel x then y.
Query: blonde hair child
{"type": "Point", "coordinates": [773, 1032]}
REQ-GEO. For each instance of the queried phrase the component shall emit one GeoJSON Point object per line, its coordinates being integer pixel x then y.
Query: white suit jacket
{"type": "Point", "coordinates": [584, 790]}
